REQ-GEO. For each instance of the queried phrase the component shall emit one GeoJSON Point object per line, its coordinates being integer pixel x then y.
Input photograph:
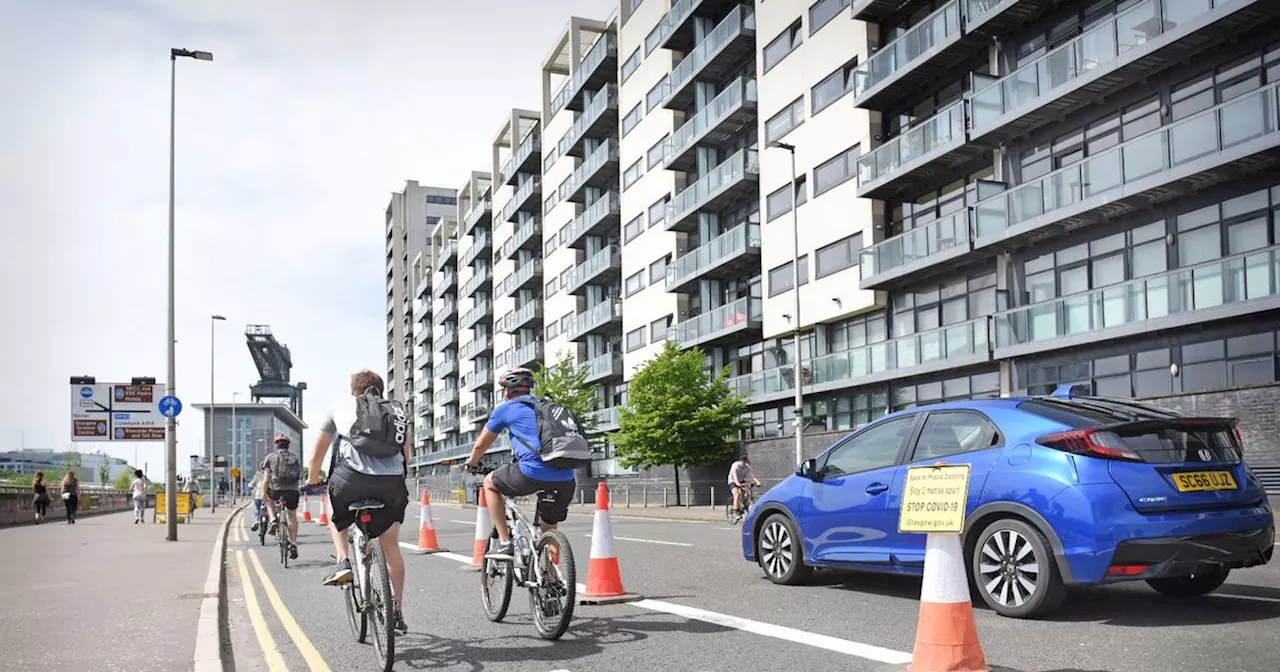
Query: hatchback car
{"type": "Point", "coordinates": [1064, 490]}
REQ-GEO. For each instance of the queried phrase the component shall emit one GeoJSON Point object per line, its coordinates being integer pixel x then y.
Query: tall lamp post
{"type": "Point", "coordinates": [213, 488]}
{"type": "Point", "coordinates": [798, 413]}
{"type": "Point", "coordinates": [171, 433]}
{"type": "Point", "coordinates": [235, 439]}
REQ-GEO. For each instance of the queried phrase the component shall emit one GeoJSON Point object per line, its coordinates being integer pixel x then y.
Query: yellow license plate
{"type": "Point", "coordinates": [1199, 481]}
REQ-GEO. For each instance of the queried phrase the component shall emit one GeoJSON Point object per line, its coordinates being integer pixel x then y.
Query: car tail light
{"type": "Point", "coordinates": [1091, 443]}
{"type": "Point", "coordinates": [1126, 570]}
{"type": "Point", "coordinates": [1239, 439]}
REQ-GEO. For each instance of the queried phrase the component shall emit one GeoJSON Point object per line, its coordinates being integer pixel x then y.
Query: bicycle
{"type": "Point", "coordinates": [369, 592]}
{"type": "Point", "coordinates": [263, 523]}
{"type": "Point", "coordinates": [282, 531]}
{"type": "Point", "coordinates": [551, 580]}
{"type": "Point", "coordinates": [745, 500]}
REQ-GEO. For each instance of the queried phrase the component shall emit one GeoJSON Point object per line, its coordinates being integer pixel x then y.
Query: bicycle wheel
{"type": "Point", "coordinates": [282, 537]}
{"type": "Point", "coordinates": [262, 530]}
{"type": "Point", "coordinates": [729, 515]}
{"type": "Point", "coordinates": [496, 577]}
{"type": "Point", "coordinates": [382, 606]}
{"type": "Point", "coordinates": [356, 614]}
{"type": "Point", "coordinates": [552, 602]}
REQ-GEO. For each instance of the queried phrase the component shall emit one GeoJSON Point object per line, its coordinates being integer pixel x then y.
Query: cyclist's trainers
{"type": "Point", "coordinates": [341, 574]}
{"type": "Point", "coordinates": [401, 626]}
{"type": "Point", "coordinates": [255, 527]}
{"type": "Point", "coordinates": [275, 525]}
{"type": "Point", "coordinates": [293, 551]}
{"type": "Point", "coordinates": [502, 551]}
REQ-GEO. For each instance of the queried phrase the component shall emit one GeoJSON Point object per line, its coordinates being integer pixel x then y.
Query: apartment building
{"type": "Point", "coordinates": [420, 417]}
{"type": "Point", "coordinates": [446, 387]}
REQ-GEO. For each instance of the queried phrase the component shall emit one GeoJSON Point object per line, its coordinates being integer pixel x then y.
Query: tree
{"type": "Point", "coordinates": [125, 478]}
{"type": "Point", "coordinates": [565, 383]}
{"type": "Point", "coordinates": [104, 469]}
{"type": "Point", "coordinates": [678, 414]}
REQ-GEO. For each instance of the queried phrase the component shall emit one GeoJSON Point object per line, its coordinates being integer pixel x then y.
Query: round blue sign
{"type": "Point", "coordinates": [170, 407]}
{"type": "Point", "coordinates": [102, 429]}
{"type": "Point", "coordinates": [86, 392]}
{"type": "Point", "coordinates": [119, 431]}
{"type": "Point", "coordinates": [119, 393]}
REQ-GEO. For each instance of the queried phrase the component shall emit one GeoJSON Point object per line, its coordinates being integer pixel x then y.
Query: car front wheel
{"type": "Point", "coordinates": [779, 553]}
{"type": "Point", "coordinates": [1014, 570]}
{"type": "Point", "coordinates": [1190, 586]}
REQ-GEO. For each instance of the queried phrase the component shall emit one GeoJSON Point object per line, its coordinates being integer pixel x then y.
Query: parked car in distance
{"type": "Point", "coordinates": [1064, 490]}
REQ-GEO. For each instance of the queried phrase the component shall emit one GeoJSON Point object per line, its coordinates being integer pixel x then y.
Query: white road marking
{"type": "Point", "coordinates": [845, 646]}
{"type": "Point", "coordinates": [653, 541]}
{"type": "Point", "coordinates": [444, 554]}
{"type": "Point", "coordinates": [726, 528]}
{"type": "Point", "coordinates": [463, 522]}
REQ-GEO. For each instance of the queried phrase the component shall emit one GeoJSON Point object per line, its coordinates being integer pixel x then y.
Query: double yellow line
{"type": "Point", "coordinates": [275, 661]}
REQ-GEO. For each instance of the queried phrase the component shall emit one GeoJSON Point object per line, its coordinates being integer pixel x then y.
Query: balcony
{"type": "Point", "coordinates": [603, 316]}
{"type": "Point", "coordinates": [905, 166]}
{"type": "Point", "coordinates": [725, 46]}
{"type": "Point", "coordinates": [601, 218]}
{"type": "Point", "coordinates": [1222, 143]}
{"type": "Point", "coordinates": [603, 367]}
{"type": "Point", "coordinates": [447, 396]}
{"type": "Point", "coordinates": [481, 277]}
{"type": "Point", "coordinates": [477, 410]}
{"type": "Point", "coordinates": [925, 53]}
{"type": "Point", "coordinates": [726, 115]}
{"type": "Point", "coordinates": [527, 354]}
{"type": "Point", "coordinates": [448, 423]}
{"type": "Point", "coordinates": [600, 118]}
{"type": "Point", "coordinates": [478, 345]}
{"type": "Point", "coordinates": [448, 280]}
{"type": "Point", "coordinates": [514, 320]}
{"type": "Point", "coordinates": [445, 337]}
{"type": "Point", "coordinates": [1131, 47]}
{"type": "Point", "coordinates": [736, 178]}
{"type": "Point", "coordinates": [480, 213]}
{"type": "Point", "coordinates": [598, 68]}
{"type": "Point", "coordinates": [599, 170]}
{"type": "Point", "coordinates": [606, 419]}
{"type": "Point", "coordinates": [874, 10]}
{"type": "Point", "coordinates": [732, 323]}
{"type": "Point", "coordinates": [529, 273]}
{"type": "Point", "coordinates": [998, 18]}
{"type": "Point", "coordinates": [421, 336]}
{"type": "Point", "coordinates": [678, 32]}
{"type": "Point", "coordinates": [526, 199]}
{"type": "Point", "coordinates": [525, 159]}
{"type": "Point", "coordinates": [448, 252]}
{"type": "Point", "coordinates": [446, 368]}
{"type": "Point", "coordinates": [525, 236]}
{"type": "Point", "coordinates": [603, 267]}
{"type": "Point", "coordinates": [477, 379]}
{"type": "Point", "coordinates": [477, 313]}
{"type": "Point", "coordinates": [481, 244]}
{"type": "Point", "coordinates": [733, 253]}
{"type": "Point", "coordinates": [925, 246]}
{"type": "Point", "coordinates": [448, 309]}
{"type": "Point", "coordinates": [1232, 288]}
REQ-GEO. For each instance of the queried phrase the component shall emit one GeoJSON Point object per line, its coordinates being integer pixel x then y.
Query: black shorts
{"type": "Point", "coordinates": [290, 498]}
{"type": "Point", "coordinates": [346, 485]}
{"type": "Point", "coordinates": [553, 503]}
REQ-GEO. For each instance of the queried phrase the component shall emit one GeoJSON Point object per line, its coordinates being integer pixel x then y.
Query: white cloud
{"type": "Point", "coordinates": [288, 145]}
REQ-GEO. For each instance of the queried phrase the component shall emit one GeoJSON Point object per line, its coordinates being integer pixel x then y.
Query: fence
{"type": "Point", "coordinates": [16, 502]}
{"type": "Point", "coordinates": [621, 495]}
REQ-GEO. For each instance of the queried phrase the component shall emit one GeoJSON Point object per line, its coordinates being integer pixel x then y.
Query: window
{"type": "Point", "coordinates": [780, 277]}
{"type": "Point", "coordinates": [657, 94]}
{"type": "Point", "coordinates": [658, 212]}
{"type": "Point", "coordinates": [977, 386]}
{"type": "Point", "coordinates": [785, 121]}
{"type": "Point", "coordinates": [635, 283]}
{"type": "Point", "coordinates": [658, 270]}
{"type": "Point", "coordinates": [552, 286]}
{"type": "Point", "coordinates": [632, 229]}
{"type": "Point", "coordinates": [823, 11]}
{"type": "Point", "coordinates": [658, 329]}
{"type": "Point", "coordinates": [782, 45]}
{"type": "Point", "coordinates": [833, 86]}
{"type": "Point", "coordinates": [633, 117]}
{"type": "Point", "coordinates": [629, 66]}
{"type": "Point", "coordinates": [653, 38]}
{"type": "Point", "coordinates": [836, 171]}
{"type": "Point", "coordinates": [553, 330]}
{"type": "Point", "coordinates": [778, 203]}
{"type": "Point", "coordinates": [656, 152]}
{"type": "Point", "coordinates": [953, 433]}
{"type": "Point", "coordinates": [442, 200]}
{"type": "Point", "coordinates": [631, 174]}
{"type": "Point", "coordinates": [635, 339]}
{"type": "Point", "coordinates": [875, 447]}
{"type": "Point", "coordinates": [837, 256]}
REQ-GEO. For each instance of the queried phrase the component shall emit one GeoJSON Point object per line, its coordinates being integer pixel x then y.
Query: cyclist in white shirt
{"type": "Point", "coordinates": [739, 472]}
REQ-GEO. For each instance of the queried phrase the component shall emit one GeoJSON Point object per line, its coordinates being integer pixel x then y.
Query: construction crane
{"type": "Point", "coordinates": [274, 364]}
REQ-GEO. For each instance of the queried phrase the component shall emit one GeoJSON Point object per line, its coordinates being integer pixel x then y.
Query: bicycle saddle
{"type": "Point", "coordinates": [366, 505]}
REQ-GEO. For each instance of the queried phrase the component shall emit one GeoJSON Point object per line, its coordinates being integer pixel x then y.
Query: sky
{"type": "Point", "coordinates": [288, 146]}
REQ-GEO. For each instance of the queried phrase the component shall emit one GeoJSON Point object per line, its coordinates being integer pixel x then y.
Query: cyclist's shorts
{"type": "Point", "coordinates": [553, 503]}
{"type": "Point", "coordinates": [346, 485]}
{"type": "Point", "coordinates": [290, 498]}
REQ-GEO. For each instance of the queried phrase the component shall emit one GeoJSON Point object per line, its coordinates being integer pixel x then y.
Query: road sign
{"type": "Point", "coordinates": [115, 412]}
{"type": "Point", "coordinates": [91, 412]}
{"type": "Point", "coordinates": [235, 472]}
{"type": "Point", "coordinates": [170, 406]}
{"type": "Point", "coordinates": [933, 499]}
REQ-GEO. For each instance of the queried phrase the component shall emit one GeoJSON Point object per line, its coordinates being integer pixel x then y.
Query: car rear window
{"type": "Point", "coordinates": [1095, 411]}
{"type": "Point", "coordinates": [1157, 445]}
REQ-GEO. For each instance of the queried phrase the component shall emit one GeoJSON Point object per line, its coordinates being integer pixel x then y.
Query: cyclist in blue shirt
{"type": "Point", "coordinates": [528, 474]}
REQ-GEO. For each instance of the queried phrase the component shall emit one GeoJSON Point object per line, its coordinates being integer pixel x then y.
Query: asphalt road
{"type": "Point", "coordinates": [707, 609]}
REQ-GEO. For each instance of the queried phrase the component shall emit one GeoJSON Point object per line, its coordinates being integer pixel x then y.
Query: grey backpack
{"type": "Point", "coordinates": [380, 427]}
{"type": "Point", "coordinates": [564, 446]}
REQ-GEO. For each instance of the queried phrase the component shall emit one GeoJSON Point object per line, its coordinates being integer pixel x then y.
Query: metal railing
{"type": "Point", "coordinates": [944, 128]}
{"type": "Point", "coordinates": [596, 56]}
{"type": "Point", "coordinates": [602, 207]}
{"type": "Point", "coordinates": [732, 243]}
{"type": "Point", "coordinates": [593, 318]}
{"type": "Point", "coordinates": [608, 257]}
{"type": "Point", "coordinates": [732, 170]}
{"type": "Point", "coordinates": [737, 93]}
{"type": "Point", "coordinates": [739, 20]}
{"type": "Point", "coordinates": [904, 53]}
{"type": "Point", "coordinates": [916, 244]}
{"type": "Point", "coordinates": [726, 318]}
{"type": "Point", "coordinates": [604, 99]}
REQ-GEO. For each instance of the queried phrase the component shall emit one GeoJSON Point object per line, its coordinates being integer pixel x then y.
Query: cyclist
{"type": "Point", "coordinates": [356, 473]}
{"type": "Point", "coordinates": [739, 472]}
{"type": "Point", "coordinates": [281, 471]}
{"type": "Point", "coordinates": [529, 474]}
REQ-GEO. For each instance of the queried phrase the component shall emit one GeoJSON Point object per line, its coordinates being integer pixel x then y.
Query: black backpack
{"type": "Point", "coordinates": [563, 444]}
{"type": "Point", "coordinates": [380, 427]}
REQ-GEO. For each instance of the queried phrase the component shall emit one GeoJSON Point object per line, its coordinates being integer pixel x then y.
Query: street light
{"type": "Point", "coordinates": [235, 439]}
{"type": "Point", "coordinates": [213, 493]}
{"type": "Point", "coordinates": [795, 291]}
{"type": "Point", "coordinates": [171, 429]}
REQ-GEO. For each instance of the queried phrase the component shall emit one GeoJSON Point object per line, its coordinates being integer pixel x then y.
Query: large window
{"type": "Point", "coordinates": [783, 44]}
{"type": "Point", "coordinates": [658, 270]}
{"type": "Point", "coordinates": [778, 202]}
{"type": "Point", "coordinates": [629, 66]}
{"type": "Point", "coordinates": [833, 86]}
{"type": "Point", "coordinates": [780, 278]}
{"type": "Point", "coordinates": [875, 447]}
{"type": "Point", "coordinates": [658, 329]}
{"type": "Point", "coordinates": [632, 173]}
{"type": "Point", "coordinates": [976, 386]}
{"type": "Point", "coordinates": [932, 306]}
{"type": "Point", "coordinates": [634, 283]}
{"type": "Point", "coordinates": [635, 339]}
{"type": "Point", "coordinates": [952, 433]}
{"type": "Point", "coordinates": [837, 256]}
{"type": "Point", "coordinates": [823, 11]}
{"type": "Point", "coordinates": [633, 228]}
{"type": "Point", "coordinates": [658, 212]}
{"type": "Point", "coordinates": [784, 121]}
{"type": "Point", "coordinates": [836, 170]}
{"type": "Point", "coordinates": [655, 154]}
{"type": "Point", "coordinates": [633, 117]}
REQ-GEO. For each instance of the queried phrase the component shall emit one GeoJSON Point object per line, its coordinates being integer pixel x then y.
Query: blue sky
{"type": "Point", "coordinates": [289, 144]}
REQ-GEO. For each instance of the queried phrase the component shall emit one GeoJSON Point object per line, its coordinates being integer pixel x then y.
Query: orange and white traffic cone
{"type": "Point", "coordinates": [427, 529]}
{"type": "Point", "coordinates": [484, 528]}
{"type": "Point", "coordinates": [947, 636]}
{"type": "Point", "coordinates": [604, 582]}
{"type": "Point", "coordinates": [324, 511]}
{"type": "Point", "coordinates": [306, 508]}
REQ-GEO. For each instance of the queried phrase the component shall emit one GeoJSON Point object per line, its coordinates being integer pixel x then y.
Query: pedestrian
{"type": "Point", "coordinates": [139, 487]}
{"type": "Point", "coordinates": [70, 495]}
{"type": "Point", "coordinates": [40, 497]}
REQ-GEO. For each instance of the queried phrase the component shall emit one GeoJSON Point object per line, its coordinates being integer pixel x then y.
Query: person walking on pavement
{"type": "Point", "coordinates": [139, 488]}
{"type": "Point", "coordinates": [71, 496]}
{"type": "Point", "coordinates": [40, 497]}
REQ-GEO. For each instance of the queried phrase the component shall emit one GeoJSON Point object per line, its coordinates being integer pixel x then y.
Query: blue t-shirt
{"type": "Point", "coordinates": [522, 423]}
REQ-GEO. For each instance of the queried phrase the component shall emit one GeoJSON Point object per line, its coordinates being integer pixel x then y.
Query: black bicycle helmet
{"type": "Point", "coordinates": [517, 378]}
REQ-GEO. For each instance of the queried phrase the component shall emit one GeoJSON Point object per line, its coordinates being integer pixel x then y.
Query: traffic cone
{"type": "Point", "coordinates": [484, 528]}
{"type": "Point", "coordinates": [427, 529]}
{"type": "Point", "coordinates": [306, 508]}
{"type": "Point", "coordinates": [604, 582]}
{"type": "Point", "coordinates": [946, 637]}
{"type": "Point", "coordinates": [324, 512]}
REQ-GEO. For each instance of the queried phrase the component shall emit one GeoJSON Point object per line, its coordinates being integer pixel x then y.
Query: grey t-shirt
{"type": "Point", "coordinates": [341, 417]}
{"type": "Point", "coordinates": [743, 471]}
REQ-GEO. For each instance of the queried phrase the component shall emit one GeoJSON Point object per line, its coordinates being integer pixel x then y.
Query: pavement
{"type": "Point", "coordinates": [707, 609]}
{"type": "Point", "coordinates": [106, 594]}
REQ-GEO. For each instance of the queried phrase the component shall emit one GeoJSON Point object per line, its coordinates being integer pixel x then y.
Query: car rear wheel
{"type": "Point", "coordinates": [1015, 571]}
{"type": "Point", "coordinates": [779, 553]}
{"type": "Point", "coordinates": [1190, 586]}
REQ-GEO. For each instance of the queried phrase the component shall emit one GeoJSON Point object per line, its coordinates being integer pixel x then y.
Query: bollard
{"type": "Point", "coordinates": [664, 498]}
{"type": "Point", "coordinates": [628, 491]}
{"type": "Point", "coordinates": [646, 496]}
{"type": "Point", "coordinates": [713, 496]}
{"type": "Point", "coordinates": [688, 497]}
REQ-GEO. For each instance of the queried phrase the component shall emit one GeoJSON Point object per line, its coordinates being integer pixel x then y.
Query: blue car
{"type": "Point", "coordinates": [1064, 490]}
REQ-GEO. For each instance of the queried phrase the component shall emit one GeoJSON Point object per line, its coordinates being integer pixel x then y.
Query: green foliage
{"type": "Point", "coordinates": [71, 459]}
{"type": "Point", "coordinates": [565, 383]}
{"type": "Point", "coordinates": [124, 479]}
{"type": "Point", "coordinates": [677, 413]}
{"type": "Point", "coordinates": [14, 478]}
{"type": "Point", "coordinates": [104, 472]}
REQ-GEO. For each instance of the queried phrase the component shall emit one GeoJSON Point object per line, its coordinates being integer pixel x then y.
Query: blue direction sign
{"type": "Point", "coordinates": [170, 407]}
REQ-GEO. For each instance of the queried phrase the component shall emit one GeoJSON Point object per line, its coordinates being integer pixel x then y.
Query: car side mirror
{"type": "Point", "coordinates": [808, 469]}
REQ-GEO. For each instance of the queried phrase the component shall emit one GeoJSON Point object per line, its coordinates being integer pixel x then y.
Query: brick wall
{"type": "Point", "coordinates": [1257, 407]}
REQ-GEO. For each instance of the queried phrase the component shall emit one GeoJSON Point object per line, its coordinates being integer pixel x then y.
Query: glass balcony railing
{"type": "Point", "coordinates": [604, 366]}
{"type": "Point", "coordinates": [915, 245]}
{"type": "Point", "coordinates": [740, 19]}
{"type": "Point", "coordinates": [446, 368]}
{"type": "Point", "coordinates": [475, 214]}
{"type": "Point", "coordinates": [447, 336]}
{"type": "Point", "coordinates": [521, 236]}
{"type": "Point", "coordinates": [477, 378]}
{"type": "Point", "coordinates": [448, 423]}
{"type": "Point", "coordinates": [526, 148]}
{"type": "Point", "coordinates": [905, 52]}
{"type": "Point", "coordinates": [521, 277]}
{"type": "Point", "coordinates": [447, 396]}
{"type": "Point", "coordinates": [520, 317]}
{"type": "Point", "coordinates": [943, 129]}
{"type": "Point", "coordinates": [680, 12]}
{"type": "Point", "coordinates": [477, 345]}
{"type": "Point", "coordinates": [601, 156]}
{"type": "Point", "coordinates": [606, 205]}
{"type": "Point", "coordinates": [607, 258]}
{"type": "Point", "coordinates": [1164, 155]}
{"type": "Point", "coordinates": [479, 243]}
{"type": "Point", "coordinates": [1180, 293]}
{"type": "Point", "coordinates": [592, 61]}
{"type": "Point", "coordinates": [740, 92]}
{"type": "Point", "coordinates": [527, 354]}
{"type": "Point", "coordinates": [728, 245]}
{"type": "Point", "coordinates": [476, 314]}
{"type": "Point", "coordinates": [521, 198]}
{"type": "Point", "coordinates": [593, 318]}
{"type": "Point", "coordinates": [733, 170]}
{"type": "Point", "coordinates": [478, 411]}
{"type": "Point", "coordinates": [478, 279]}
{"type": "Point", "coordinates": [604, 100]}
{"type": "Point", "coordinates": [726, 319]}
{"type": "Point", "coordinates": [606, 418]}
{"type": "Point", "coordinates": [448, 251]}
